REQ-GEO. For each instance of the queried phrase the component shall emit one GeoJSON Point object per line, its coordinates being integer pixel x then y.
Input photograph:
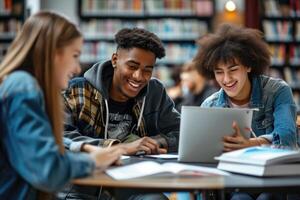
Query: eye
{"type": "Point", "coordinates": [218, 72]}
{"type": "Point", "coordinates": [132, 67]}
{"type": "Point", "coordinates": [234, 69]}
{"type": "Point", "coordinates": [148, 70]}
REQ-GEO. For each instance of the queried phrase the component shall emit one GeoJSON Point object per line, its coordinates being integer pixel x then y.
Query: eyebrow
{"type": "Point", "coordinates": [137, 63]}
{"type": "Point", "coordinates": [134, 62]}
{"type": "Point", "coordinates": [229, 67]}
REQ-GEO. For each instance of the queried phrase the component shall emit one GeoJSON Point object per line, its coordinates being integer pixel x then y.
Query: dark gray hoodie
{"type": "Point", "coordinates": [86, 102]}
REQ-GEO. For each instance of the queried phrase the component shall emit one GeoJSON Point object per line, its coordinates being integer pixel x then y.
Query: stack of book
{"type": "Point", "coordinates": [261, 161]}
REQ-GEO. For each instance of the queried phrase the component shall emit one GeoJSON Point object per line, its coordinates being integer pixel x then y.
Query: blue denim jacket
{"type": "Point", "coordinates": [29, 157]}
{"type": "Point", "coordinates": [276, 118]}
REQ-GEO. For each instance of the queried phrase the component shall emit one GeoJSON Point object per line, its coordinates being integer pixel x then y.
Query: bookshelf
{"type": "Point", "coordinates": [12, 16]}
{"type": "Point", "coordinates": [280, 22]}
{"type": "Point", "coordinates": [178, 23]}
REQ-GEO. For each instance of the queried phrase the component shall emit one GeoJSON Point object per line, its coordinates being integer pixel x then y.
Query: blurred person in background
{"type": "Point", "coordinates": [195, 88]}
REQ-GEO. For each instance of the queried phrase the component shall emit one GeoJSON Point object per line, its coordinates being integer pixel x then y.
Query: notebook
{"type": "Point", "coordinates": [202, 130]}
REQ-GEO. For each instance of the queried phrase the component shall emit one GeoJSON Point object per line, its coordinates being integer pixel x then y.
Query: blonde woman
{"type": "Point", "coordinates": [40, 62]}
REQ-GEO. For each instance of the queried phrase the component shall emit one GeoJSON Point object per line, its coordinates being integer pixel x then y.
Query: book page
{"type": "Point", "coordinates": [193, 169]}
{"type": "Point", "coordinates": [147, 168]}
{"type": "Point", "coordinates": [163, 156]}
{"type": "Point", "coordinates": [135, 170]}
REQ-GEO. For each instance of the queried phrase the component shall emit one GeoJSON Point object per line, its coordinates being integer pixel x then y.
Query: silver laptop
{"type": "Point", "coordinates": [202, 130]}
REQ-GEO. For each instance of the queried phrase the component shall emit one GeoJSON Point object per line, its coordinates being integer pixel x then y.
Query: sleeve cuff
{"type": "Point", "coordinates": [76, 146]}
{"type": "Point", "coordinates": [268, 137]}
{"type": "Point", "coordinates": [110, 142]}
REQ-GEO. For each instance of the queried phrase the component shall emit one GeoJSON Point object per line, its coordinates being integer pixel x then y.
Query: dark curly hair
{"type": "Point", "coordinates": [137, 37]}
{"type": "Point", "coordinates": [233, 45]}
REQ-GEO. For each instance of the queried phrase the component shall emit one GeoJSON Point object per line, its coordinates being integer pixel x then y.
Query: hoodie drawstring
{"type": "Point", "coordinates": [141, 114]}
{"type": "Point", "coordinates": [107, 118]}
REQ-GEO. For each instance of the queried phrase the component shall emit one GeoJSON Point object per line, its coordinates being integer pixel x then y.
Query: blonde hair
{"type": "Point", "coordinates": [34, 50]}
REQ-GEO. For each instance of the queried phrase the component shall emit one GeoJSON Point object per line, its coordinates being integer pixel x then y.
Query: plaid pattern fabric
{"type": "Point", "coordinates": [88, 112]}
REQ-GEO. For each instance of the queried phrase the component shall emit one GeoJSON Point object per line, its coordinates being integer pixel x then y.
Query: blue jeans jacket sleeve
{"type": "Point", "coordinates": [30, 147]}
{"type": "Point", "coordinates": [285, 130]}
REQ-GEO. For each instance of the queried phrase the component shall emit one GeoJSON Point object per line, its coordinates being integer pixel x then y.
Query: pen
{"type": "Point", "coordinates": [252, 132]}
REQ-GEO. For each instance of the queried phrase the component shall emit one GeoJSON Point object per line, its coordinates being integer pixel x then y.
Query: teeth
{"type": "Point", "coordinates": [134, 85]}
{"type": "Point", "coordinates": [229, 85]}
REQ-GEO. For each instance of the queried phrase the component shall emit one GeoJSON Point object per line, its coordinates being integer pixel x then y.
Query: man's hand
{"type": "Point", "coordinates": [146, 144]}
{"type": "Point", "coordinates": [238, 141]}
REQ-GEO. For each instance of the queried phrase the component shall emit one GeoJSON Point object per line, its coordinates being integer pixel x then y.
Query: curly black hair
{"type": "Point", "coordinates": [128, 38]}
{"type": "Point", "coordinates": [233, 45]}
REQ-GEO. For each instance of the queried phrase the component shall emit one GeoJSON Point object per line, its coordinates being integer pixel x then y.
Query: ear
{"type": "Point", "coordinates": [114, 59]}
{"type": "Point", "coordinates": [249, 69]}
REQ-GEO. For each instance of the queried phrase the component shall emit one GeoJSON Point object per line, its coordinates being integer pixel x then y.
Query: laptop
{"type": "Point", "coordinates": [202, 131]}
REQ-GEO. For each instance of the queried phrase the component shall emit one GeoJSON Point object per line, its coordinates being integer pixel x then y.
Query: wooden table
{"type": "Point", "coordinates": [196, 184]}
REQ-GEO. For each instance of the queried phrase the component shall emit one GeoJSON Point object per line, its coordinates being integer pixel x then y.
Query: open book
{"type": "Point", "coordinates": [147, 168]}
{"type": "Point", "coordinates": [261, 161]}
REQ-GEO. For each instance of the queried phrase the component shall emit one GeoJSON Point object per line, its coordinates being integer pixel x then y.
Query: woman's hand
{"type": "Point", "coordinates": [238, 141]}
{"type": "Point", "coordinates": [89, 148]}
{"type": "Point", "coordinates": [146, 144]}
{"type": "Point", "coordinates": [104, 157]}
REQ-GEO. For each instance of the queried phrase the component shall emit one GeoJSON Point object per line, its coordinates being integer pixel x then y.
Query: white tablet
{"type": "Point", "coordinates": [202, 131]}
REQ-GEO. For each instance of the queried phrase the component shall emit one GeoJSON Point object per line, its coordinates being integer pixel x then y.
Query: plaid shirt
{"type": "Point", "coordinates": [86, 110]}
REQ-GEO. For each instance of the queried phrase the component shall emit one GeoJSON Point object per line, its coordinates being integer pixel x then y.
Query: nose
{"type": "Point", "coordinates": [226, 78]}
{"type": "Point", "coordinates": [137, 75]}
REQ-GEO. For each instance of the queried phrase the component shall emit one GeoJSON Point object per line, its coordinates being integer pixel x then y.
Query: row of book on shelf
{"type": "Point", "coordinates": [175, 52]}
{"type": "Point", "coordinates": [289, 74]}
{"type": "Point", "coordinates": [141, 7]}
{"type": "Point", "coordinates": [292, 76]}
{"type": "Point", "coordinates": [164, 28]}
{"type": "Point", "coordinates": [8, 7]}
{"type": "Point", "coordinates": [282, 53]}
{"type": "Point", "coordinates": [10, 27]}
{"type": "Point", "coordinates": [275, 8]}
{"type": "Point", "coordinates": [277, 30]}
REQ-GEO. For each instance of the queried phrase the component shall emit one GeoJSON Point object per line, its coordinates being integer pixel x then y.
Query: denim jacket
{"type": "Point", "coordinates": [276, 118]}
{"type": "Point", "coordinates": [29, 156]}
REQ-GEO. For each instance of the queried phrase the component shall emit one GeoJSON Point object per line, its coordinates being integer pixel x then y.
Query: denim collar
{"type": "Point", "coordinates": [256, 95]}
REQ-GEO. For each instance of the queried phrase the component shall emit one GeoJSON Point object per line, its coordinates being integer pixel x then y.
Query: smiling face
{"type": "Point", "coordinates": [132, 71]}
{"type": "Point", "coordinates": [234, 80]}
{"type": "Point", "coordinates": [66, 63]}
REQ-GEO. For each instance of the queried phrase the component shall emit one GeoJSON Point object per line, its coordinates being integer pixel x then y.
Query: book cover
{"type": "Point", "coordinates": [261, 156]}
